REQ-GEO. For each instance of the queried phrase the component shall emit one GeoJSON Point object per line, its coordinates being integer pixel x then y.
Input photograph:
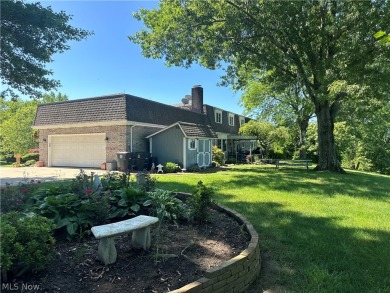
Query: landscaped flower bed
{"type": "Point", "coordinates": [74, 207]}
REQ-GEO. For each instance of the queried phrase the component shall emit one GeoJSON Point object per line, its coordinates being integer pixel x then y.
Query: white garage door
{"type": "Point", "coordinates": [86, 150]}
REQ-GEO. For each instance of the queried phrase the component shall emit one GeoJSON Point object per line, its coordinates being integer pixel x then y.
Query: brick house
{"type": "Point", "coordinates": [88, 132]}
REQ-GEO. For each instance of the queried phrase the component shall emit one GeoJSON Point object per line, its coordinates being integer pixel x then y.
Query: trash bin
{"type": "Point", "coordinates": [111, 166]}
{"type": "Point", "coordinates": [123, 161]}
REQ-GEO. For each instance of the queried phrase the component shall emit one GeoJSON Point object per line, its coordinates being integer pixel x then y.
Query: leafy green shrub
{"type": "Point", "coordinates": [8, 157]}
{"type": "Point", "coordinates": [13, 198]}
{"type": "Point", "coordinates": [74, 213]}
{"type": "Point", "coordinates": [126, 202]}
{"type": "Point", "coordinates": [27, 242]}
{"type": "Point", "coordinates": [7, 248]}
{"type": "Point", "coordinates": [30, 163]}
{"type": "Point", "coordinates": [218, 155]}
{"type": "Point", "coordinates": [29, 157]}
{"type": "Point", "coordinates": [200, 202]}
{"type": "Point", "coordinates": [165, 205]}
{"type": "Point", "coordinates": [115, 180]}
{"type": "Point", "coordinates": [170, 167]}
{"type": "Point", "coordinates": [231, 160]}
{"type": "Point", "coordinates": [194, 168]}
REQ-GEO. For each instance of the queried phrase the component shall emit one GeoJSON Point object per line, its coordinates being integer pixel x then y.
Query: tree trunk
{"type": "Point", "coordinates": [327, 159]}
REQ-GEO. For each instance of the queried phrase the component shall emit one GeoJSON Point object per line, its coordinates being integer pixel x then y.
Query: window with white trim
{"type": "Point", "coordinates": [242, 121]}
{"type": "Point", "coordinates": [191, 144]}
{"type": "Point", "coordinates": [218, 116]}
{"type": "Point", "coordinates": [231, 119]}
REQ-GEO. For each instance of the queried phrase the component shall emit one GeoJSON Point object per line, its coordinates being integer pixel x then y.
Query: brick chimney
{"type": "Point", "coordinates": [197, 98]}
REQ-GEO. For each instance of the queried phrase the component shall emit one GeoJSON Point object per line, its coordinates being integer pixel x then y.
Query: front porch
{"type": "Point", "coordinates": [236, 148]}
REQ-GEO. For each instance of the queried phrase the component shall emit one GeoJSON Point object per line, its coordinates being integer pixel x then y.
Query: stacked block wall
{"type": "Point", "coordinates": [234, 275]}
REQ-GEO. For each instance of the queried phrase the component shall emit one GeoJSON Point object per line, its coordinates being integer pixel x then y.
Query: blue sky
{"type": "Point", "coordinates": [107, 62]}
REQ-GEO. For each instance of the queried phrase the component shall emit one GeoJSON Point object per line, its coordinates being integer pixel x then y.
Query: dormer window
{"type": "Point", "coordinates": [218, 116]}
{"type": "Point", "coordinates": [242, 121]}
{"type": "Point", "coordinates": [231, 119]}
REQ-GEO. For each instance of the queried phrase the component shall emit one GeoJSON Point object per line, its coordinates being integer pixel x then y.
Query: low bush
{"type": "Point", "coordinates": [30, 163]}
{"type": "Point", "coordinates": [73, 214]}
{"type": "Point", "coordinates": [26, 242]}
{"type": "Point", "coordinates": [165, 205]}
{"type": "Point", "coordinates": [200, 202]}
{"type": "Point", "coordinates": [194, 168]}
{"type": "Point", "coordinates": [28, 157]}
{"type": "Point", "coordinates": [170, 167]}
{"type": "Point", "coordinates": [231, 160]}
{"type": "Point", "coordinates": [218, 155]}
{"type": "Point", "coordinates": [127, 202]}
{"type": "Point", "coordinates": [8, 157]}
{"type": "Point", "coordinates": [13, 198]}
{"type": "Point", "coordinates": [115, 180]}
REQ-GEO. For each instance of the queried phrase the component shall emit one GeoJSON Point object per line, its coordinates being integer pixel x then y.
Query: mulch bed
{"type": "Point", "coordinates": [184, 251]}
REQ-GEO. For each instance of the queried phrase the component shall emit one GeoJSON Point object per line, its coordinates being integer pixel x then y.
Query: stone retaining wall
{"type": "Point", "coordinates": [234, 275]}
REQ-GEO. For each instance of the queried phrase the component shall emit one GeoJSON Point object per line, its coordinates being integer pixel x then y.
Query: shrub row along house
{"type": "Point", "coordinates": [89, 132]}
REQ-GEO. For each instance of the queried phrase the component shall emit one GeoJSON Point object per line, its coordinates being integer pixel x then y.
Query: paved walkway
{"type": "Point", "coordinates": [18, 175]}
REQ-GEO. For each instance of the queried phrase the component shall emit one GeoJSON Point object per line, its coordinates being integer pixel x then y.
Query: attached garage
{"type": "Point", "coordinates": [77, 150]}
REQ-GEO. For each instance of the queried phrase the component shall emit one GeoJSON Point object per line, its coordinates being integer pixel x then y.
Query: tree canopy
{"type": "Point", "coordinates": [268, 135]}
{"type": "Point", "coordinates": [30, 36]}
{"type": "Point", "coordinates": [17, 117]}
{"type": "Point", "coordinates": [328, 47]}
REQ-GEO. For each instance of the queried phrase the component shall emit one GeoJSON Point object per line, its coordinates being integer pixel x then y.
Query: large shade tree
{"type": "Point", "coordinates": [328, 47]}
{"type": "Point", "coordinates": [30, 35]}
{"type": "Point", "coordinates": [284, 104]}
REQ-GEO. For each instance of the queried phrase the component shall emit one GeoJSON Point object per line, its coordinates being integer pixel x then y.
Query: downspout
{"type": "Point", "coordinates": [131, 138]}
{"type": "Point", "coordinates": [184, 153]}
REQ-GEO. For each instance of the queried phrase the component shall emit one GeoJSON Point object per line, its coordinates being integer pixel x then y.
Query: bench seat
{"type": "Point", "coordinates": [140, 226]}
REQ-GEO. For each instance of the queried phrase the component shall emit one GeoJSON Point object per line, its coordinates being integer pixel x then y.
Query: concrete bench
{"type": "Point", "coordinates": [140, 226]}
{"type": "Point", "coordinates": [291, 163]}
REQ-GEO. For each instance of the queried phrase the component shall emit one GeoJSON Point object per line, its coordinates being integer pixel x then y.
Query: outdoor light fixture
{"type": "Point", "coordinates": [106, 138]}
{"type": "Point", "coordinates": [44, 140]}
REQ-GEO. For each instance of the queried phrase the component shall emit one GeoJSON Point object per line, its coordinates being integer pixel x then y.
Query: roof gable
{"type": "Point", "coordinates": [191, 130]}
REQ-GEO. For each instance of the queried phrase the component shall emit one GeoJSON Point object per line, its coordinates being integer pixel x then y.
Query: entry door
{"type": "Point", "coordinates": [204, 152]}
{"type": "Point", "coordinates": [86, 150]}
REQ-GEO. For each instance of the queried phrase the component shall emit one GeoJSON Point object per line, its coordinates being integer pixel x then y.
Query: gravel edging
{"type": "Point", "coordinates": [234, 275]}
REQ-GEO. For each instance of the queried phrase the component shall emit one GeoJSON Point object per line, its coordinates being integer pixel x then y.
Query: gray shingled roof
{"type": "Point", "coordinates": [106, 108]}
{"type": "Point", "coordinates": [198, 130]}
{"type": "Point", "coordinates": [142, 110]}
{"type": "Point", "coordinates": [114, 108]}
{"type": "Point", "coordinates": [123, 107]}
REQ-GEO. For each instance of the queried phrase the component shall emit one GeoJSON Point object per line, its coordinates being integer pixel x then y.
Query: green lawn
{"type": "Point", "coordinates": [328, 232]}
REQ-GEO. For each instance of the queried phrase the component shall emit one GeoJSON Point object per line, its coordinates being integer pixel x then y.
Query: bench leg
{"type": "Point", "coordinates": [141, 238]}
{"type": "Point", "coordinates": [107, 251]}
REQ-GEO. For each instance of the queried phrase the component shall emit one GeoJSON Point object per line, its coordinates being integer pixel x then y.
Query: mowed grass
{"type": "Point", "coordinates": [328, 232]}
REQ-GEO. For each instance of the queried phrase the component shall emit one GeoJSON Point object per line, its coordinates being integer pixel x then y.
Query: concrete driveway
{"type": "Point", "coordinates": [18, 175]}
